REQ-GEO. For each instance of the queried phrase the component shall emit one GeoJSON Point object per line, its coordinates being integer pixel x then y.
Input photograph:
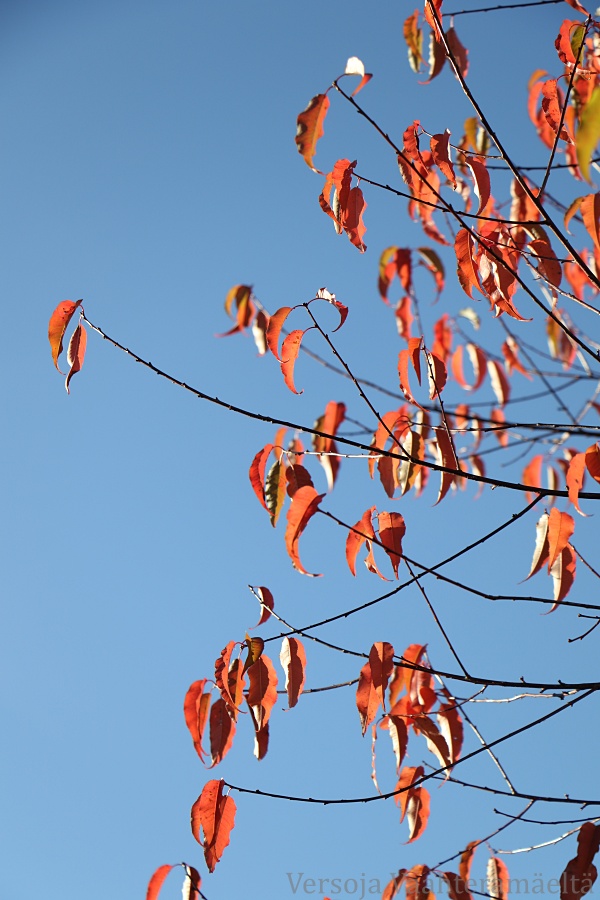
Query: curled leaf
{"type": "Point", "coordinates": [310, 128]}
{"type": "Point", "coordinates": [59, 322]}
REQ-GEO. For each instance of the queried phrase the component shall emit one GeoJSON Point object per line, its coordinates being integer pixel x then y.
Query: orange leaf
{"type": "Point", "coordinates": [289, 354]}
{"type": "Point", "coordinates": [156, 882]}
{"type": "Point", "coordinates": [214, 814]}
{"type": "Point", "coordinates": [467, 270]}
{"type": "Point", "coordinates": [304, 505]}
{"type": "Point", "coordinates": [590, 213]}
{"type": "Point", "coordinates": [393, 886]}
{"type": "Point", "coordinates": [575, 476]}
{"type": "Point", "coordinates": [76, 353]}
{"type": "Point", "coordinates": [191, 886]}
{"type": "Point", "coordinates": [222, 671]}
{"type": "Point", "coordinates": [381, 660]}
{"type": "Point", "coordinates": [592, 461]}
{"type": "Point", "coordinates": [310, 128]}
{"type": "Point", "coordinates": [59, 322]}
{"type": "Point", "coordinates": [274, 329]}
{"type": "Point", "coordinates": [560, 528]}
{"type": "Point", "coordinates": [391, 531]}
{"type": "Point", "coordinates": [241, 294]}
{"type": "Point", "coordinates": [367, 700]}
{"type": "Point", "coordinates": [267, 604]}
{"type": "Point", "coordinates": [451, 726]}
{"type": "Point", "coordinates": [262, 690]}
{"type": "Point", "coordinates": [445, 457]}
{"type": "Point", "coordinates": [293, 662]}
{"type": "Point", "coordinates": [580, 872]}
{"type": "Point", "coordinates": [363, 530]}
{"type": "Point", "coordinates": [457, 888]}
{"type": "Point", "coordinates": [257, 473]}
{"type": "Point", "coordinates": [195, 709]}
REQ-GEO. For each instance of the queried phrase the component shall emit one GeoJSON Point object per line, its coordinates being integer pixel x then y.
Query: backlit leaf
{"type": "Point", "coordinates": [59, 322]}
{"type": "Point", "coordinates": [196, 706]}
{"type": "Point", "coordinates": [262, 690]}
{"type": "Point", "coordinates": [214, 814]}
{"type": "Point", "coordinates": [76, 353]}
{"type": "Point", "coordinates": [293, 662]}
{"type": "Point", "coordinates": [588, 133]}
{"type": "Point", "coordinates": [560, 529]}
{"type": "Point", "coordinates": [563, 574]}
{"type": "Point", "coordinates": [267, 603]}
{"type": "Point", "coordinates": [541, 553]}
{"type": "Point", "coordinates": [367, 699]}
{"type": "Point", "coordinates": [310, 128]}
{"type": "Point", "coordinates": [222, 731]}
{"type": "Point", "coordinates": [391, 531]}
{"type": "Point", "coordinates": [363, 530]}
{"type": "Point", "coordinates": [574, 479]}
{"type": "Point", "coordinates": [305, 503]}
{"type": "Point", "coordinates": [289, 354]}
{"type": "Point", "coordinates": [580, 872]}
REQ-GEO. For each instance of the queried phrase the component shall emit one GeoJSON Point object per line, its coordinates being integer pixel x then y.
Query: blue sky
{"type": "Point", "coordinates": [148, 165]}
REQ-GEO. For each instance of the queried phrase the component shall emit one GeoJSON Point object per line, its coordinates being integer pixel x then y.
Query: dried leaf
{"type": "Point", "coordinates": [214, 814]}
{"type": "Point", "coordinates": [293, 662]}
{"type": "Point", "coordinates": [305, 503]}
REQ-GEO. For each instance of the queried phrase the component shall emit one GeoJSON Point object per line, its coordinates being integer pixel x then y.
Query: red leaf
{"type": "Point", "coordinates": [222, 731]}
{"type": "Point", "coordinates": [195, 709]}
{"type": "Point", "coordinates": [590, 213]}
{"type": "Point", "coordinates": [293, 662]}
{"type": "Point", "coordinates": [305, 503]}
{"type": "Point", "coordinates": [580, 872]}
{"type": "Point", "coordinates": [460, 53]}
{"type": "Point", "coordinates": [439, 150]}
{"type": "Point", "coordinates": [310, 128]}
{"type": "Point", "coordinates": [560, 528]}
{"type": "Point", "coordinates": [457, 888]}
{"type": "Point", "coordinates": [214, 814]}
{"type": "Point", "coordinates": [156, 882]}
{"type": "Point", "coordinates": [444, 457]}
{"type": "Point", "coordinates": [467, 269]}
{"type": "Point", "coordinates": [481, 180]}
{"type": "Point", "coordinates": [393, 886]}
{"type": "Point", "coordinates": [363, 530]}
{"type": "Point", "coordinates": [265, 595]}
{"type": "Point", "coordinates": [257, 473]}
{"type": "Point", "coordinates": [391, 531]}
{"type": "Point", "coordinates": [381, 660]}
{"type": "Point", "coordinates": [58, 324]}
{"type": "Point", "coordinates": [289, 354]}
{"type": "Point", "coordinates": [76, 353]}
{"type": "Point", "coordinates": [417, 813]}
{"type": "Point", "coordinates": [262, 690]}
{"type": "Point", "coordinates": [367, 700]}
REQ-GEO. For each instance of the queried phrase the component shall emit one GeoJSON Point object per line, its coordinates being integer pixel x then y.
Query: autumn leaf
{"type": "Point", "coordinates": [265, 597]}
{"type": "Point", "coordinates": [541, 552]}
{"type": "Point", "coordinates": [363, 530]}
{"type": "Point", "coordinates": [563, 574]}
{"type": "Point", "coordinates": [262, 690]}
{"type": "Point", "coordinates": [293, 662]}
{"type": "Point", "coordinates": [305, 503]}
{"type": "Point", "coordinates": [59, 322]}
{"type": "Point", "coordinates": [355, 66]}
{"type": "Point", "coordinates": [497, 879]}
{"type": "Point", "coordinates": [221, 730]}
{"type": "Point", "coordinates": [195, 709]}
{"type": "Point", "coordinates": [580, 872]}
{"type": "Point", "coordinates": [588, 133]}
{"type": "Point", "coordinates": [214, 814]}
{"type": "Point", "coordinates": [241, 296]}
{"type": "Point", "coordinates": [391, 531]}
{"type": "Point", "coordinates": [289, 354]}
{"type": "Point", "coordinates": [560, 529]}
{"type": "Point", "coordinates": [191, 885]}
{"type": "Point", "coordinates": [255, 646]}
{"type": "Point", "coordinates": [367, 699]}
{"type": "Point", "coordinates": [310, 128]}
{"type": "Point", "coordinates": [257, 473]}
{"type": "Point", "coordinates": [275, 490]}
{"type": "Point", "coordinates": [574, 479]}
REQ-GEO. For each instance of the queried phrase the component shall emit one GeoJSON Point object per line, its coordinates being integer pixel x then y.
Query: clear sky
{"type": "Point", "coordinates": [148, 164]}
